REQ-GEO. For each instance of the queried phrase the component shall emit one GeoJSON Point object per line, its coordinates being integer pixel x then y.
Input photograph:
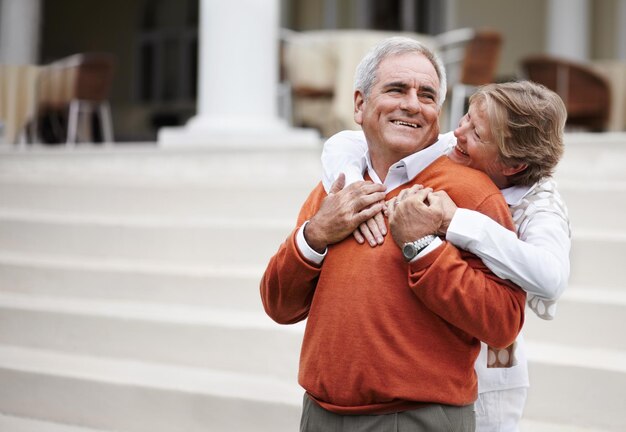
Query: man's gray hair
{"type": "Point", "coordinates": [366, 72]}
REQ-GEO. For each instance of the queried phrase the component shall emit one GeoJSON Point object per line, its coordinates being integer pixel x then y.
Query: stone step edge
{"type": "Point", "coordinates": [158, 222]}
{"type": "Point", "coordinates": [543, 352]}
{"type": "Point", "coordinates": [10, 423]}
{"type": "Point", "coordinates": [576, 293]}
{"type": "Point", "coordinates": [70, 262]}
{"type": "Point", "coordinates": [180, 314]}
{"type": "Point", "coordinates": [585, 357]}
{"type": "Point", "coordinates": [150, 375]}
{"type": "Point", "coordinates": [537, 425]}
{"type": "Point", "coordinates": [142, 221]}
{"type": "Point", "coordinates": [595, 295]}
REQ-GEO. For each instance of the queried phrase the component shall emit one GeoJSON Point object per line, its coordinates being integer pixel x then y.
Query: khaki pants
{"type": "Point", "coordinates": [431, 418]}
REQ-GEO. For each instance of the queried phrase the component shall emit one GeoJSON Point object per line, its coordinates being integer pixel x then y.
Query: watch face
{"type": "Point", "coordinates": [409, 251]}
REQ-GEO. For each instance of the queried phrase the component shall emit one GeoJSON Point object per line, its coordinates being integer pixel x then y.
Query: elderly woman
{"type": "Point", "coordinates": [514, 133]}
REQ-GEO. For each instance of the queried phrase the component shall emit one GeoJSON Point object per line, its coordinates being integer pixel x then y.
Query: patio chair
{"type": "Point", "coordinates": [77, 89]}
{"type": "Point", "coordinates": [586, 93]}
{"type": "Point", "coordinates": [471, 58]}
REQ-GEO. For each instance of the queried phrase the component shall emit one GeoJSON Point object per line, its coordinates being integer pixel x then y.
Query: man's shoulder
{"type": "Point", "coordinates": [461, 176]}
{"type": "Point", "coordinates": [468, 188]}
{"type": "Point", "coordinates": [312, 203]}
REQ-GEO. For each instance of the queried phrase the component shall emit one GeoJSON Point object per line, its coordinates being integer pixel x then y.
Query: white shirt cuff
{"type": "Point", "coordinates": [307, 252]}
{"type": "Point", "coordinates": [465, 228]}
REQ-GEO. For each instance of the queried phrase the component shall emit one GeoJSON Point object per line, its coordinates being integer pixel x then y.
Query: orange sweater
{"type": "Point", "coordinates": [383, 335]}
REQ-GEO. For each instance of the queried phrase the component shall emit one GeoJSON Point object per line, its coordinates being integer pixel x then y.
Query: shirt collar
{"type": "Point", "coordinates": [514, 194]}
{"type": "Point", "coordinates": [407, 168]}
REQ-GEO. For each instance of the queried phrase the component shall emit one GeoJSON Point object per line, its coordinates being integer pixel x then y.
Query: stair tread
{"type": "Point", "coordinates": [152, 375]}
{"type": "Point", "coordinates": [128, 265]}
{"type": "Point", "coordinates": [145, 311]}
{"type": "Point", "coordinates": [19, 424]}
{"type": "Point", "coordinates": [531, 425]}
{"type": "Point", "coordinates": [597, 295]}
{"type": "Point", "coordinates": [141, 221]}
{"type": "Point", "coordinates": [584, 357]}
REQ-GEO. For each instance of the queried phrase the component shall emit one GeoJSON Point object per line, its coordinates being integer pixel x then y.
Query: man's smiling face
{"type": "Point", "coordinates": [401, 114]}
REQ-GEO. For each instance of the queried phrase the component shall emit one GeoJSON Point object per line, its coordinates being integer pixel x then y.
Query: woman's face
{"type": "Point", "coordinates": [475, 147]}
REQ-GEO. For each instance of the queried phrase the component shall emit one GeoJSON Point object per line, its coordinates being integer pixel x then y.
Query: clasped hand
{"type": "Point", "coordinates": [342, 211]}
{"type": "Point", "coordinates": [414, 213]}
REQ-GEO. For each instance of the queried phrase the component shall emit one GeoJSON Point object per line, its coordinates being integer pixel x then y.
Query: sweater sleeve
{"type": "Point", "coordinates": [458, 286]}
{"type": "Point", "coordinates": [289, 281]}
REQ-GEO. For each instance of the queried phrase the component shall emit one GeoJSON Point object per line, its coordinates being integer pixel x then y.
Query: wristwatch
{"type": "Point", "coordinates": [411, 249]}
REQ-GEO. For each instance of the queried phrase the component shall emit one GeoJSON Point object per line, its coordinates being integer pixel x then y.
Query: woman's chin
{"type": "Point", "coordinates": [458, 157]}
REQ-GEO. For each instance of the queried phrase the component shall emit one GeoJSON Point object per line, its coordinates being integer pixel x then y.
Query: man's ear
{"type": "Point", "coordinates": [509, 170]}
{"type": "Point", "coordinates": [359, 100]}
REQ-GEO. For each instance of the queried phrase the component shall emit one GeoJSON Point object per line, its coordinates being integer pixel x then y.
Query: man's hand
{"type": "Point", "coordinates": [411, 216]}
{"type": "Point", "coordinates": [342, 211]}
{"type": "Point", "coordinates": [373, 230]}
{"type": "Point", "coordinates": [441, 200]}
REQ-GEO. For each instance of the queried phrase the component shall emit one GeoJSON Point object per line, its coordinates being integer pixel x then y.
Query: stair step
{"type": "Point", "coordinates": [597, 258]}
{"type": "Point", "coordinates": [193, 241]}
{"type": "Point", "coordinates": [530, 425]}
{"type": "Point", "coordinates": [18, 424]}
{"type": "Point", "coordinates": [182, 201]}
{"type": "Point", "coordinates": [179, 334]}
{"type": "Point", "coordinates": [587, 201]}
{"type": "Point", "coordinates": [152, 165]}
{"type": "Point", "coordinates": [132, 396]}
{"type": "Point", "coordinates": [209, 285]}
{"type": "Point", "coordinates": [577, 386]}
{"type": "Point", "coordinates": [590, 318]}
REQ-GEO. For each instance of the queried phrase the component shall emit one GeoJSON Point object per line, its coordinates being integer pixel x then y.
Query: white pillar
{"type": "Point", "coordinates": [568, 29]}
{"type": "Point", "coordinates": [238, 79]}
{"type": "Point", "coordinates": [621, 30]}
{"type": "Point", "coordinates": [19, 31]}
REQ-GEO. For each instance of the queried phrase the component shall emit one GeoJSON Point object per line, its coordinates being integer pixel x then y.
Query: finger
{"type": "Point", "coordinates": [419, 196]}
{"type": "Point", "coordinates": [441, 194]}
{"type": "Point", "coordinates": [368, 212]}
{"type": "Point", "coordinates": [391, 206]}
{"type": "Point", "coordinates": [433, 198]}
{"type": "Point", "coordinates": [373, 227]}
{"type": "Point", "coordinates": [380, 221]}
{"type": "Point", "coordinates": [338, 184]}
{"type": "Point", "coordinates": [367, 200]}
{"type": "Point", "coordinates": [358, 237]}
{"type": "Point", "coordinates": [365, 231]}
{"type": "Point", "coordinates": [367, 187]}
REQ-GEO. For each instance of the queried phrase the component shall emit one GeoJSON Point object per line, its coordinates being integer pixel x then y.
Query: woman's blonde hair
{"type": "Point", "coordinates": [527, 122]}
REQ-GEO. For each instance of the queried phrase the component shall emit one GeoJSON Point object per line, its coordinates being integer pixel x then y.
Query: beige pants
{"type": "Point", "coordinates": [431, 418]}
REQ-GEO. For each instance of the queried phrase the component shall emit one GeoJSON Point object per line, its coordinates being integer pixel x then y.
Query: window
{"type": "Point", "coordinates": [167, 51]}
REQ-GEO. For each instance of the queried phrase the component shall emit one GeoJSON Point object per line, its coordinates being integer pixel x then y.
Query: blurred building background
{"type": "Point", "coordinates": [155, 42]}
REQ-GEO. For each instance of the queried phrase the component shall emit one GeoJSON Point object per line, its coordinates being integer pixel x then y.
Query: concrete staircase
{"type": "Point", "coordinates": [129, 293]}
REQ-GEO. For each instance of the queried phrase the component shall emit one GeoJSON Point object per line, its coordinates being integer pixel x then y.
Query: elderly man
{"type": "Point", "coordinates": [392, 331]}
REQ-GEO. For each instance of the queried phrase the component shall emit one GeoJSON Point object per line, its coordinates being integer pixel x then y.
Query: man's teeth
{"type": "Point", "coordinates": [460, 150]}
{"type": "Point", "coordinates": [402, 123]}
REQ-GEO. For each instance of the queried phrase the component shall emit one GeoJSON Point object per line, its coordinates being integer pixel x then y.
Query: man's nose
{"type": "Point", "coordinates": [410, 102]}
